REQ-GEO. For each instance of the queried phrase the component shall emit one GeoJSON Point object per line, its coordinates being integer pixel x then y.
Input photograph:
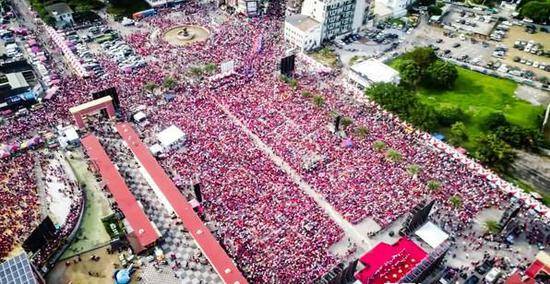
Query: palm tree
{"type": "Point", "coordinates": [433, 185]}
{"type": "Point", "coordinates": [196, 71]}
{"type": "Point", "coordinates": [150, 87]}
{"type": "Point", "coordinates": [318, 101]}
{"type": "Point", "coordinates": [413, 169]}
{"type": "Point", "coordinates": [306, 94]}
{"type": "Point", "coordinates": [492, 227]}
{"type": "Point", "coordinates": [455, 200]}
{"type": "Point", "coordinates": [393, 155]}
{"type": "Point", "coordinates": [169, 83]}
{"type": "Point", "coordinates": [379, 145]}
{"type": "Point", "coordinates": [210, 68]}
{"type": "Point", "coordinates": [362, 131]}
{"type": "Point", "coordinates": [346, 121]}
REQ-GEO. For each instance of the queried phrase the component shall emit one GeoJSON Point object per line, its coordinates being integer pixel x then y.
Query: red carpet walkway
{"type": "Point", "coordinates": [221, 262]}
{"type": "Point", "coordinates": [144, 231]}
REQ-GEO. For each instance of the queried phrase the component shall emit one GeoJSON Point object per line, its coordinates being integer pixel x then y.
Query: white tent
{"type": "Point", "coordinates": [170, 137]}
{"type": "Point", "coordinates": [156, 149]}
{"type": "Point", "coordinates": [432, 234]}
{"type": "Point", "coordinates": [139, 116]}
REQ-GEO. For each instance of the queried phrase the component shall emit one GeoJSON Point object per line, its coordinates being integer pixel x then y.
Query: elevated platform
{"type": "Point", "coordinates": [219, 259]}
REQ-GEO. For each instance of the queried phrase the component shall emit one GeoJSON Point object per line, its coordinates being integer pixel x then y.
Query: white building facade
{"type": "Point", "coordinates": [302, 32]}
{"type": "Point", "coordinates": [391, 8]}
{"type": "Point", "coordinates": [337, 17]}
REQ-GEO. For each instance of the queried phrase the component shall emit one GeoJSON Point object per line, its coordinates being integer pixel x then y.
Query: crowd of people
{"type": "Point", "coordinates": [273, 230]}
{"type": "Point", "coordinates": [19, 202]}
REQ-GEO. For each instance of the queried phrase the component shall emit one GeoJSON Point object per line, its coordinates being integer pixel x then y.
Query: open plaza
{"type": "Point", "coordinates": [193, 144]}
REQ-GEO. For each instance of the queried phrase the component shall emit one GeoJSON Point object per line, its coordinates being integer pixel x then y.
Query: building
{"type": "Point", "coordinates": [537, 272]}
{"type": "Point", "coordinates": [247, 7]}
{"type": "Point", "coordinates": [337, 17]}
{"type": "Point", "coordinates": [162, 3]}
{"type": "Point", "coordinates": [17, 85]}
{"type": "Point", "coordinates": [302, 32]}
{"type": "Point", "coordinates": [370, 71]}
{"type": "Point", "coordinates": [18, 269]}
{"type": "Point", "coordinates": [384, 9]}
{"type": "Point", "coordinates": [62, 13]}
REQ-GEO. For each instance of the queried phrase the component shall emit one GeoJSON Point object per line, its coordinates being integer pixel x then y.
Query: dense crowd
{"type": "Point", "coordinates": [269, 226]}
{"type": "Point", "coordinates": [19, 203]}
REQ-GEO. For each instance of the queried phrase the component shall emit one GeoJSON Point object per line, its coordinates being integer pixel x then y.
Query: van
{"type": "Point", "coordinates": [493, 275]}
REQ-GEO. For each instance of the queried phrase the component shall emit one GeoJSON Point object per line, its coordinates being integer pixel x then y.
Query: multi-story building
{"type": "Point", "coordinates": [337, 17]}
{"type": "Point", "coordinates": [302, 32]}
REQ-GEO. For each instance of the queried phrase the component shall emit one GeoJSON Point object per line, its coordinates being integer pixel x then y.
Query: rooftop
{"type": "Point", "coordinates": [59, 8]}
{"type": "Point", "coordinates": [375, 70]}
{"type": "Point", "coordinates": [302, 22]}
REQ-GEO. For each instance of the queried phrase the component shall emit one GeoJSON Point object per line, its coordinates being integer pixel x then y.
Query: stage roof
{"type": "Point", "coordinates": [541, 263]}
{"type": "Point", "coordinates": [144, 231]}
{"type": "Point", "coordinates": [376, 71]}
{"type": "Point", "coordinates": [390, 263]}
{"type": "Point", "coordinates": [432, 234]}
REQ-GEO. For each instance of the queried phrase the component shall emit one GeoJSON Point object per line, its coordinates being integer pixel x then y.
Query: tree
{"type": "Point", "coordinates": [425, 2]}
{"type": "Point", "coordinates": [169, 83]}
{"type": "Point", "coordinates": [422, 56]}
{"type": "Point", "coordinates": [520, 137]}
{"type": "Point", "coordinates": [538, 11]}
{"type": "Point", "coordinates": [492, 227]}
{"type": "Point", "coordinates": [362, 131]}
{"type": "Point", "coordinates": [447, 116]}
{"type": "Point", "coordinates": [434, 10]}
{"type": "Point", "coordinates": [306, 94]}
{"type": "Point", "coordinates": [346, 121]}
{"type": "Point", "coordinates": [441, 74]}
{"type": "Point", "coordinates": [413, 169]}
{"type": "Point", "coordinates": [433, 185]}
{"type": "Point", "coordinates": [457, 135]}
{"type": "Point", "coordinates": [196, 71]}
{"type": "Point", "coordinates": [210, 68]}
{"type": "Point", "coordinates": [150, 86]}
{"type": "Point", "coordinates": [379, 145]}
{"type": "Point", "coordinates": [410, 72]}
{"type": "Point", "coordinates": [455, 201]}
{"type": "Point", "coordinates": [423, 117]}
{"type": "Point", "coordinates": [495, 152]}
{"type": "Point", "coordinates": [495, 120]}
{"type": "Point", "coordinates": [393, 155]}
{"type": "Point", "coordinates": [318, 101]}
{"type": "Point", "coordinates": [393, 98]}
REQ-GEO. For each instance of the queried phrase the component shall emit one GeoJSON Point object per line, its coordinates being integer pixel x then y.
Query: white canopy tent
{"type": "Point", "coordinates": [432, 234]}
{"type": "Point", "coordinates": [139, 116]}
{"type": "Point", "coordinates": [156, 149]}
{"type": "Point", "coordinates": [171, 137]}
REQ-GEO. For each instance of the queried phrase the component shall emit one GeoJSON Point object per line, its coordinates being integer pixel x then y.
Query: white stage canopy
{"type": "Point", "coordinates": [432, 234]}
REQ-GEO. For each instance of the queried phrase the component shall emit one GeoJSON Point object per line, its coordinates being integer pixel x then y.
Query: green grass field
{"type": "Point", "coordinates": [91, 233]}
{"type": "Point", "coordinates": [478, 95]}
